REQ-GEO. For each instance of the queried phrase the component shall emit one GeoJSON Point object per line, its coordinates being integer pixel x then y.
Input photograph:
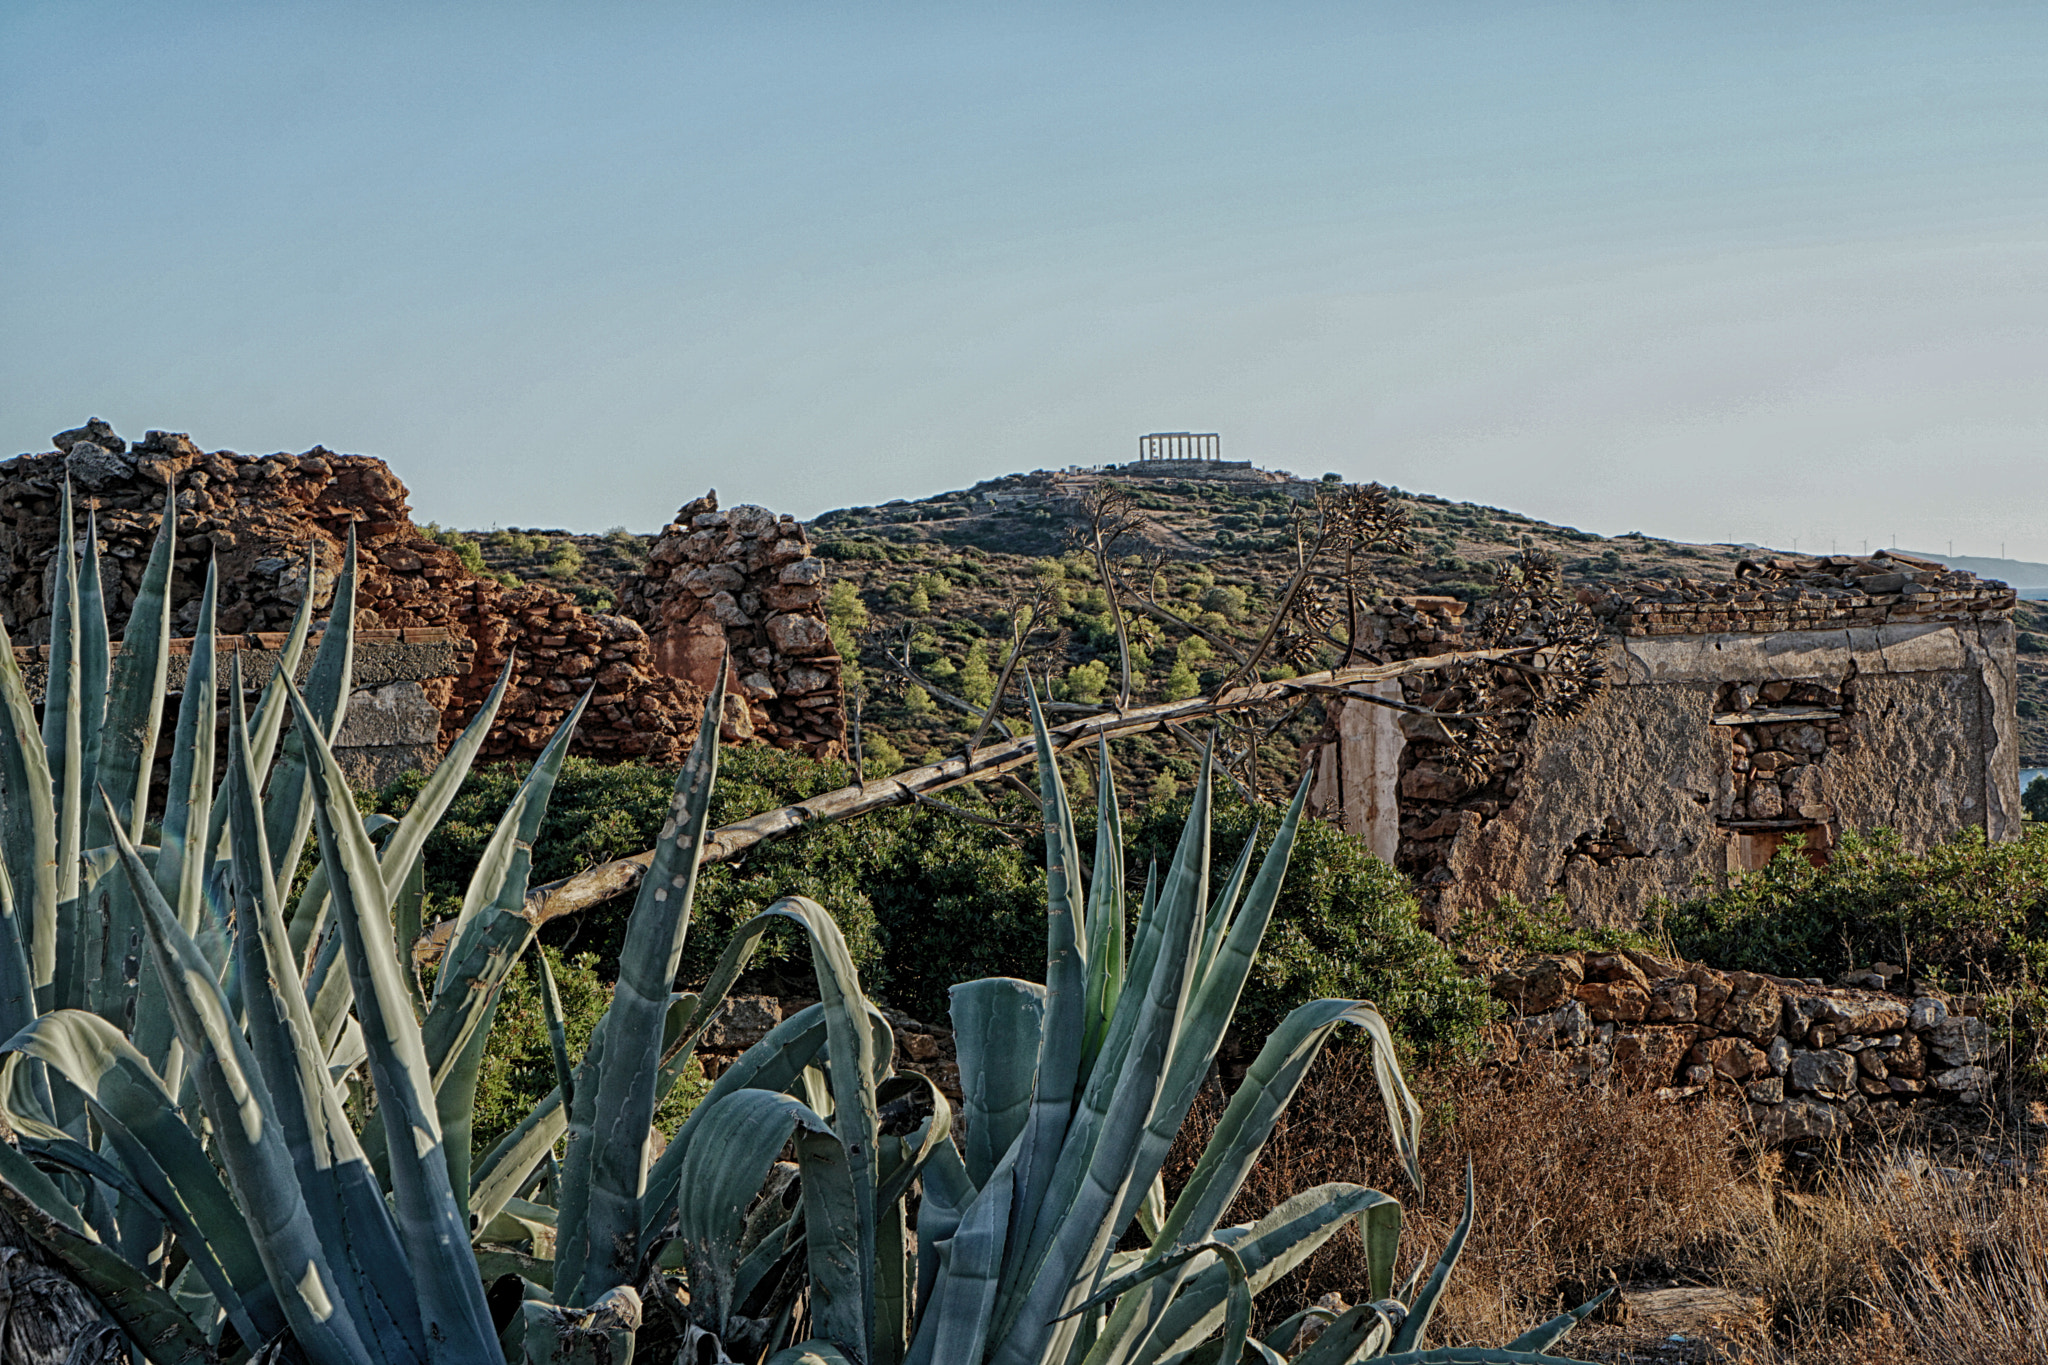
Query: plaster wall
{"type": "Point", "coordinates": [1644, 776]}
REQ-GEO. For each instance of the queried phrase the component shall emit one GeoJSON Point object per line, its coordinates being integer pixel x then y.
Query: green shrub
{"type": "Point", "coordinates": [1967, 912]}
{"type": "Point", "coordinates": [1514, 926]}
{"type": "Point", "coordinates": [2034, 800]}
{"type": "Point", "coordinates": [927, 899]}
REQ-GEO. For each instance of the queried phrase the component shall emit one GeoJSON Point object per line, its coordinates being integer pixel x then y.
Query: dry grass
{"type": "Point", "coordinates": [1863, 1257]}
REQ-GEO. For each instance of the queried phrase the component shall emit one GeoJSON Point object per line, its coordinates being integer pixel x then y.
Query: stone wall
{"type": "Point", "coordinates": [745, 580]}
{"type": "Point", "coordinates": [1803, 698]}
{"type": "Point", "coordinates": [257, 516]}
{"type": "Point", "coordinates": [1809, 1059]}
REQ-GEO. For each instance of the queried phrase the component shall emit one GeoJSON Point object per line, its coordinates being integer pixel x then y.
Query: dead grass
{"type": "Point", "coordinates": [1864, 1256]}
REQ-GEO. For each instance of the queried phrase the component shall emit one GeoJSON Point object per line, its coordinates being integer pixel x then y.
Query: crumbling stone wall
{"type": "Point", "coordinates": [1809, 1059]}
{"type": "Point", "coordinates": [257, 517]}
{"type": "Point", "coordinates": [744, 580]}
{"type": "Point", "coordinates": [1804, 697]}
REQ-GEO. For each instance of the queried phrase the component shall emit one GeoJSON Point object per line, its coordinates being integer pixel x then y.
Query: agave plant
{"type": "Point", "coordinates": [242, 1123]}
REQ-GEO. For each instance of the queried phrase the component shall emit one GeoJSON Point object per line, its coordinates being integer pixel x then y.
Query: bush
{"type": "Point", "coordinates": [927, 899]}
{"type": "Point", "coordinates": [2034, 800]}
{"type": "Point", "coordinates": [1967, 913]}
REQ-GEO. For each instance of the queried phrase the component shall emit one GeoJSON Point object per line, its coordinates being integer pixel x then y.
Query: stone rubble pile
{"type": "Point", "coordinates": [744, 579]}
{"type": "Point", "coordinates": [257, 515]}
{"type": "Point", "coordinates": [1787, 593]}
{"type": "Point", "coordinates": [1809, 1059]}
{"type": "Point", "coordinates": [1784, 732]}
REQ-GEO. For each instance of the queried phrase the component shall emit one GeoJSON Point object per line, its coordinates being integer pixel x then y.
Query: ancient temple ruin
{"type": "Point", "coordinates": [1806, 697]}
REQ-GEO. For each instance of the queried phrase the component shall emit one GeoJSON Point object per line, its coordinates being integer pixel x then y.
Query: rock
{"type": "Point", "coordinates": [1769, 1090]}
{"type": "Point", "coordinates": [1616, 967]}
{"type": "Point", "coordinates": [1674, 1001]}
{"type": "Point", "coordinates": [802, 636]}
{"type": "Point", "coordinates": [96, 431]}
{"type": "Point", "coordinates": [745, 1021]}
{"type": "Point", "coordinates": [1823, 1071]}
{"type": "Point", "coordinates": [1778, 1054]}
{"type": "Point", "coordinates": [1962, 1079]}
{"type": "Point", "coordinates": [1711, 991]}
{"type": "Point", "coordinates": [1865, 1014]}
{"type": "Point", "coordinates": [1651, 1056]}
{"type": "Point", "coordinates": [1569, 1025]}
{"type": "Point", "coordinates": [1959, 1041]}
{"type": "Point", "coordinates": [1611, 1001]}
{"type": "Point", "coordinates": [1798, 1120]}
{"type": "Point", "coordinates": [1754, 1009]}
{"type": "Point", "coordinates": [1909, 1058]}
{"type": "Point", "coordinates": [1541, 985]}
{"type": "Point", "coordinates": [94, 468]}
{"type": "Point", "coordinates": [1732, 1057]}
{"type": "Point", "coordinates": [1927, 1012]}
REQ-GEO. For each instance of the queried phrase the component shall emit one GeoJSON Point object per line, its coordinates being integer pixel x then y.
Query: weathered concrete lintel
{"type": "Point", "coordinates": [1921, 647]}
{"type": "Point", "coordinates": [382, 657]}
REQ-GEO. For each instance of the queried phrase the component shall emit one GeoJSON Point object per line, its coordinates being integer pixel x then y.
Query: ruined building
{"type": "Point", "coordinates": [1807, 697]}
{"type": "Point", "coordinates": [435, 634]}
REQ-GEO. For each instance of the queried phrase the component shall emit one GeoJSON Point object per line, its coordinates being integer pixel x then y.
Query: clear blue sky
{"type": "Point", "coordinates": [1713, 270]}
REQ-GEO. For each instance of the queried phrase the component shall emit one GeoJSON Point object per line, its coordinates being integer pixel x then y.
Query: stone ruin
{"type": "Point", "coordinates": [257, 517]}
{"type": "Point", "coordinates": [1810, 1060]}
{"type": "Point", "coordinates": [1805, 697]}
{"type": "Point", "coordinates": [744, 580]}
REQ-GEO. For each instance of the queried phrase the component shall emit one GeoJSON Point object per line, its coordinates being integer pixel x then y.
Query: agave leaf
{"type": "Point", "coordinates": [131, 1102]}
{"type": "Point", "coordinates": [1215, 1000]}
{"type": "Point", "coordinates": [772, 1064]}
{"type": "Point", "coordinates": [432, 1226]}
{"type": "Point", "coordinates": [1105, 914]}
{"type": "Point", "coordinates": [487, 942]}
{"type": "Point", "coordinates": [810, 1353]}
{"type": "Point", "coordinates": [403, 845]}
{"type": "Point", "coordinates": [341, 1192]}
{"type": "Point", "coordinates": [1379, 1227]}
{"type": "Point", "coordinates": [741, 1135]}
{"type": "Point", "coordinates": [501, 875]}
{"type": "Point", "coordinates": [602, 1178]}
{"type": "Point", "coordinates": [246, 1131]}
{"type": "Point", "coordinates": [95, 653]}
{"type": "Point", "coordinates": [188, 797]}
{"type": "Point", "coordinates": [558, 1033]}
{"type": "Point", "coordinates": [1409, 1336]}
{"type": "Point", "coordinates": [1224, 906]}
{"type": "Point", "coordinates": [1540, 1339]}
{"type": "Point", "coordinates": [1236, 1314]}
{"type": "Point", "coordinates": [63, 747]}
{"type": "Point", "coordinates": [507, 1166]}
{"type": "Point", "coordinates": [135, 696]}
{"type": "Point", "coordinates": [996, 1023]}
{"type": "Point", "coordinates": [28, 903]}
{"type": "Point", "coordinates": [144, 1311]}
{"type": "Point", "coordinates": [1360, 1333]}
{"type": "Point", "coordinates": [1064, 1026]}
{"type": "Point", "coordinates": [288, 804]}
{"type": "Point", "coordinates": [1073, 1226]}
{"type": "Point", "coordinates": [1270, 1248]}
{"type": "Point", "coordinates": [954, 1324]}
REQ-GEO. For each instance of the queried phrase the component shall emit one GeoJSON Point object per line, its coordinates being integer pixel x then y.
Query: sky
{"type": "Point", "coordinates": [1717, 271]}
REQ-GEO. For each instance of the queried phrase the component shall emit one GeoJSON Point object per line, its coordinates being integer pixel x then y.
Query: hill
{"type": "Point", "coordinates": [941, 578]}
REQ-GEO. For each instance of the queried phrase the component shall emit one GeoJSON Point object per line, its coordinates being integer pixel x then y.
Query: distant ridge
{"type": "Point", "coordinates": [2023, 574]}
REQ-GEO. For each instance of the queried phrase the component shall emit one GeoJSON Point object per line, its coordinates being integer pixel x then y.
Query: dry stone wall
{"type": "Point", "coordinates": [744, 580]}
{"type": "Point", "coordinates": [257, 517]}
{"type": "Point", "coordinates": [1810, 1060]}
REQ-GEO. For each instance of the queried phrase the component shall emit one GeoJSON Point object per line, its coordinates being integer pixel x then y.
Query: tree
{"type": "Point", "coordinates": [2035, 800]}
